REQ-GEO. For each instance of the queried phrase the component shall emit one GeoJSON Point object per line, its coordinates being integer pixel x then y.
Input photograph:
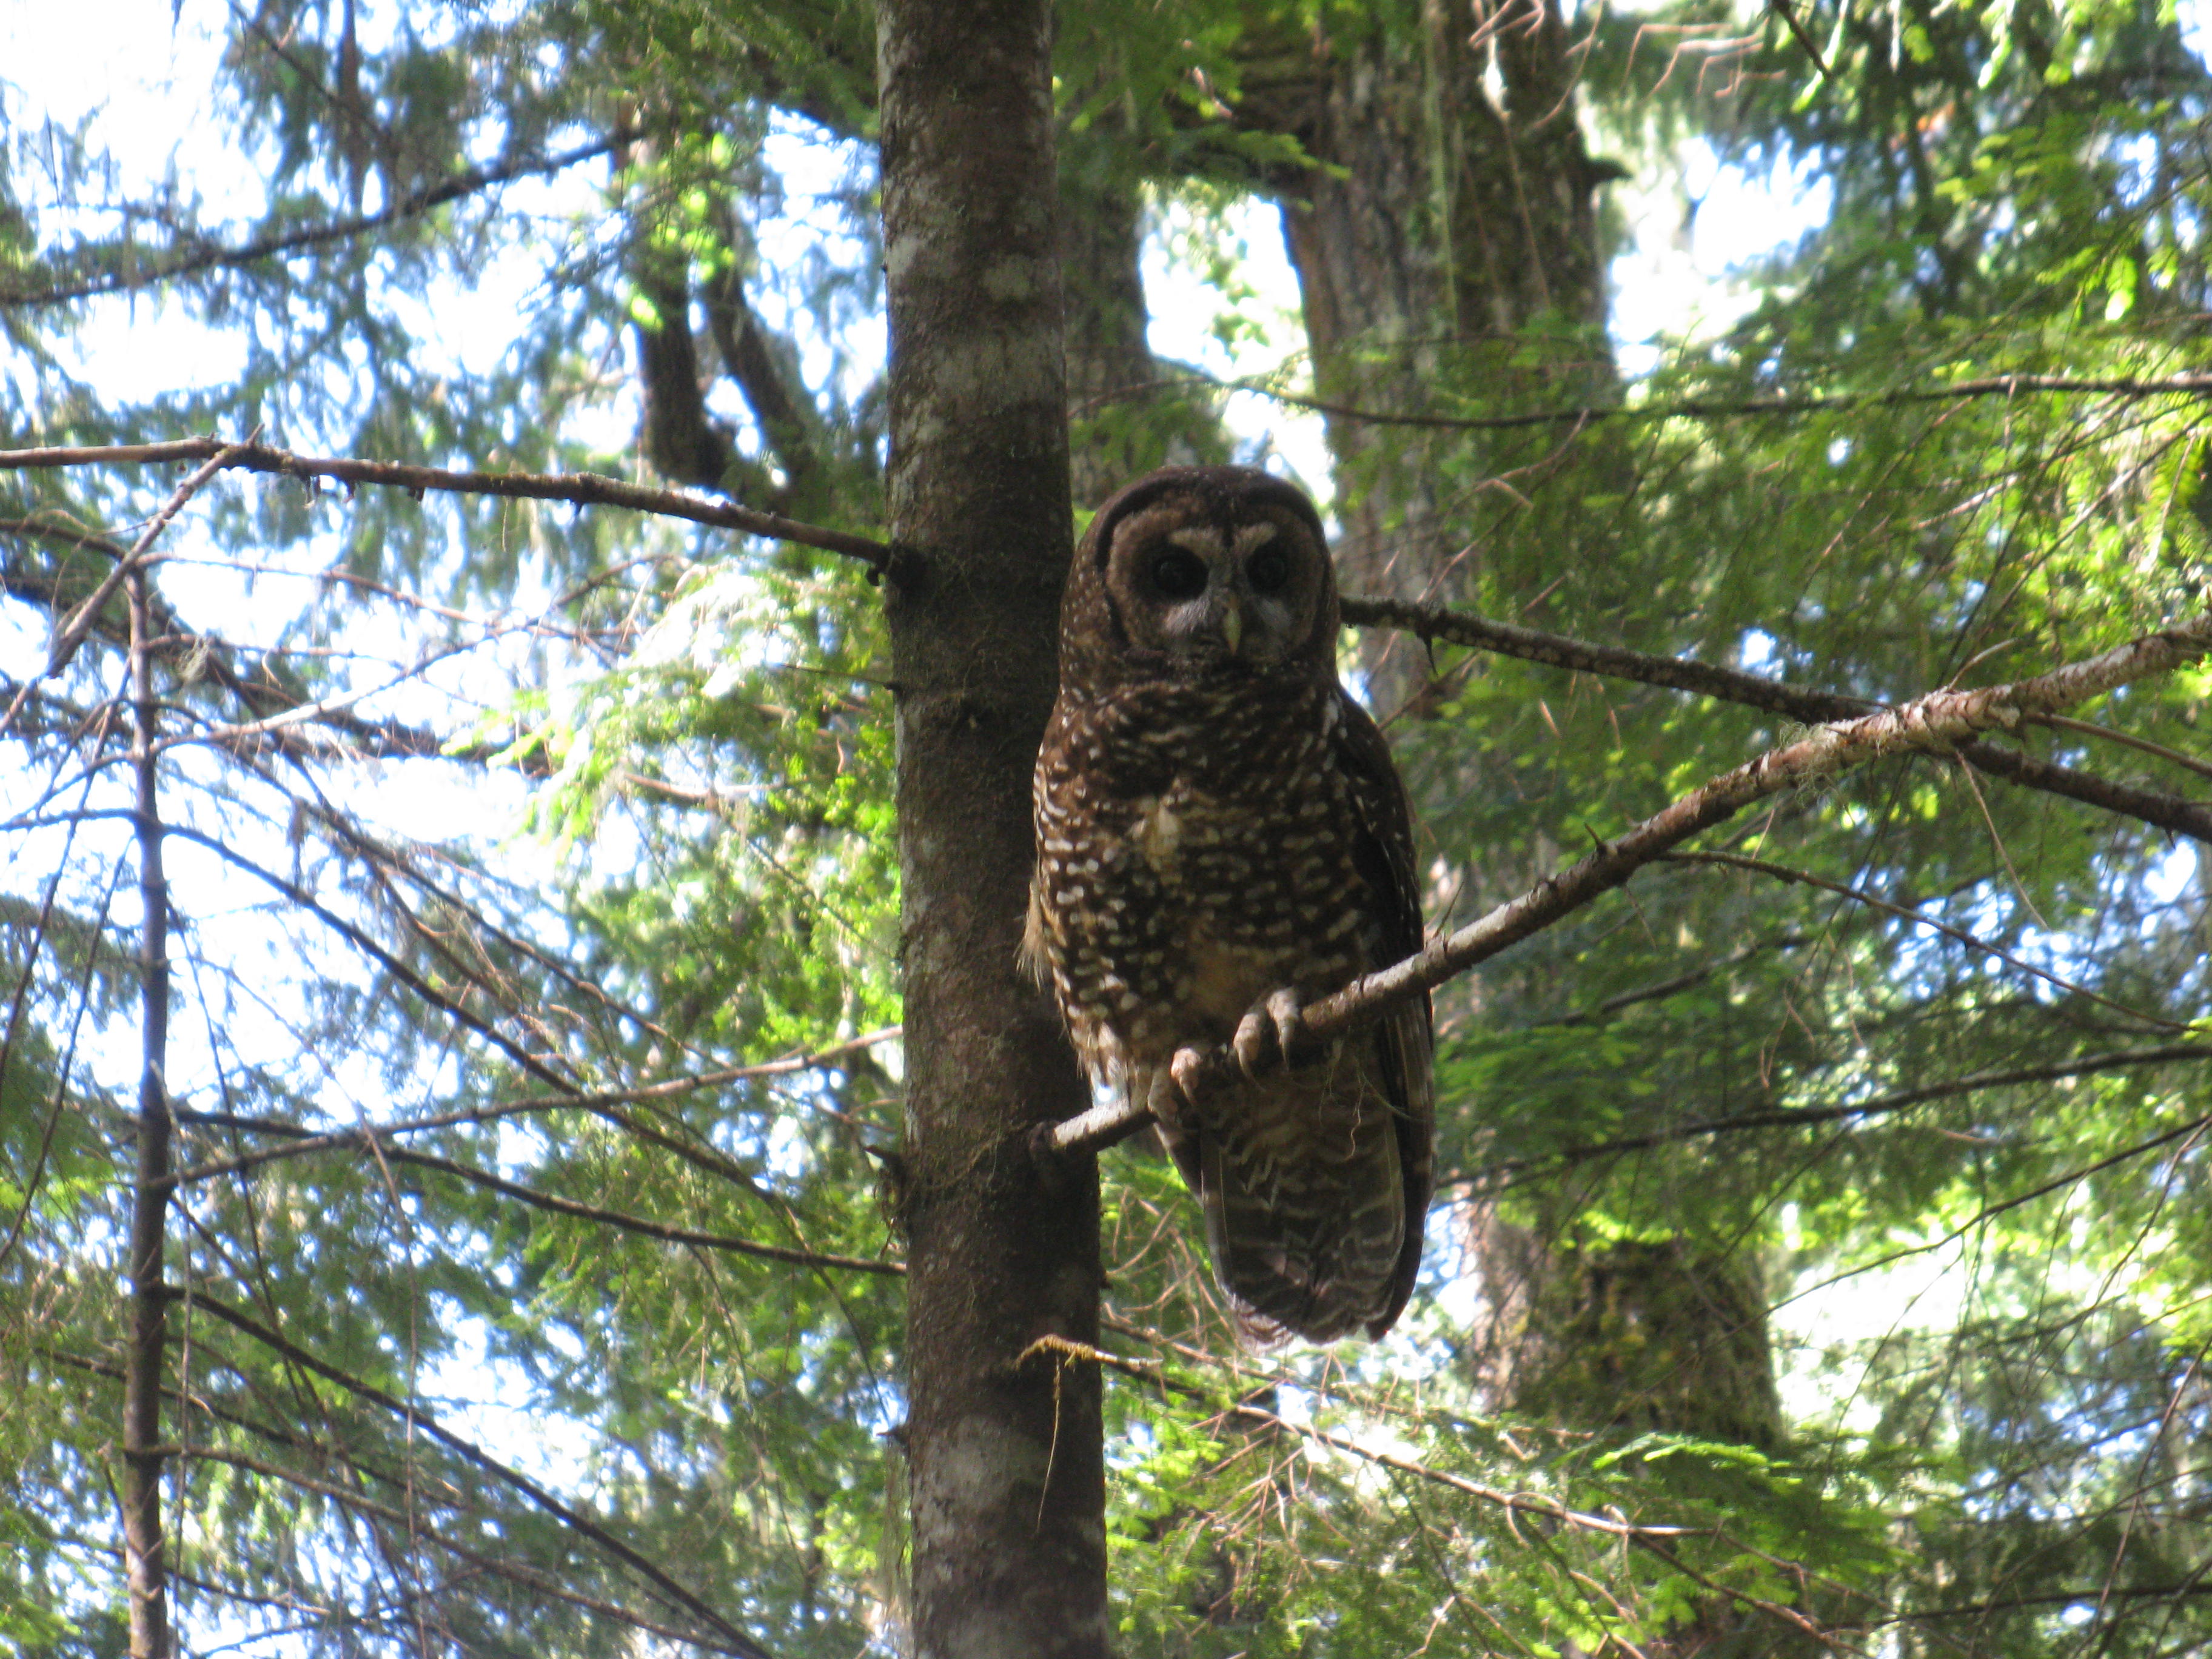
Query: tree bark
{"type": "Point", "coordinates": [1006, 1465]}
{"type": "Point", "coordinates": [144, 1549]}
{"type": "Point", "coordinates": [1447, 238]}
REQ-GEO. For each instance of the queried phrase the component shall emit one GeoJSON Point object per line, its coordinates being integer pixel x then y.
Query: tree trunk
{"type": "Point", "coordinates": [145, 1550]}
{"type": "Point", "coordinates": [1446, 239]}
{"type": "Point", "coordinates": [1004, 1459]}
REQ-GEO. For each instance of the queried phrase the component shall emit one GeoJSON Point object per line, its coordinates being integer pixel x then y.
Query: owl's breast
{"type": "Point", "coordinates": [1194, 856]}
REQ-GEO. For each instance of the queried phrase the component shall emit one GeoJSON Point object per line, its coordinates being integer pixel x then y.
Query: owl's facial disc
{"type": "Point", "coordinates": [1213, 593]}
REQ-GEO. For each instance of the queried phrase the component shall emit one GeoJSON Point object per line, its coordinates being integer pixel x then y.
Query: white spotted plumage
{"type": "Point", "coordinates": [1218, 822]}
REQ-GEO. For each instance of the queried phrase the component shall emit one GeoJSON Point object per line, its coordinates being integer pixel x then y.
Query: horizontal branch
{"type": "Point", "coordinates": [577, 489]}
{"type": "Point", "coordinates": [537, 1198]}
{"type": "Point", "coordinates": [2170, 813]}
{"type": "Point", "coordinates": [1697, 408]}
{"type": "Point", "coordinates": [412, 205]}
{"type": "Point", "coordinates": [1937, 723]}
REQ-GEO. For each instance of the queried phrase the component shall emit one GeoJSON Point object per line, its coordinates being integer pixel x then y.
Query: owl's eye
{"type": "Point", "coordinates": [1178, 575]}
{"type": "Point", "coordinates": [1268, 570]}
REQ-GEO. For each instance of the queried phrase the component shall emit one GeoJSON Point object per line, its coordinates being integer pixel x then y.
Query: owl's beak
{"type": "Point", "coordinates": [1232, 624]}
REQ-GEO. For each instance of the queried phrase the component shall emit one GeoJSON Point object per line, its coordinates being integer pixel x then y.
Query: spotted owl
{"type": "Point", "coordinates": [1221, 838]}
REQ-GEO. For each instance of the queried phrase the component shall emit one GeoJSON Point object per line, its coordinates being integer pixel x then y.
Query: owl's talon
{"type": "Point", "coordinates": [1264, 1036]}
{"type": "Point", "coordinates": [1183, 1071]}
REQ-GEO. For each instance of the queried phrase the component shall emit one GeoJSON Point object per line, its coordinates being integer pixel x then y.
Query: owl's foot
{"type": "Point", "coordinates": [1183, 1071]}
{"type": "Point", "coordinates": [1264, 1036]}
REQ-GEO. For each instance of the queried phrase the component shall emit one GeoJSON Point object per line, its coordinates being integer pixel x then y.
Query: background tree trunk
{"type": "Point", "coordinates": [1006, 1470]}
{"type": "Point", "coordinates": [1446, 239]}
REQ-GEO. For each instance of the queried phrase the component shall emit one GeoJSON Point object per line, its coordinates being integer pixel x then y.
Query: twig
{"type": "Point", "coordinates": [1655, 1539]}
{"type": "Point", "coordinates": [73, 631]}
{"type": "Point", "coordinates": [585, 1100]}
{"type": "Point", "coordinates": [1782, 8]}
{"type": "Point", "coordinates": [580, 489]}
{"type": "Point", "coordinates": [543, 1583]}
{"type": "Point", "coordinates": [538, 1198]}
{"type": "Point", "coordinates": [1938, 723]}
{"type": "Point", "coordinates": [1791, 1117]}
{"type": "Point", "coordinates": [1905, 912]}
{"type": "Point", "coordinates": [2090, 729]}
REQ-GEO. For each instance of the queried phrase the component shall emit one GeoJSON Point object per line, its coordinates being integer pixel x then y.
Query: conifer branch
{"type": "Point", "coordinates": [1796, 1117]}
{"type": "Point", "coordinates": [410, 205]}
{"type": "Point", "coordinates": [513, 1479]}
{"type": "Point", "coordinates": [411, 1525]}
{"type": "Point", "coordinates": [2173, 812]}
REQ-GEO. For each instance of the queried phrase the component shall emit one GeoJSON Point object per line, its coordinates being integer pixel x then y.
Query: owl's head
{"type": "Point", "coordinates": [1196, 570]}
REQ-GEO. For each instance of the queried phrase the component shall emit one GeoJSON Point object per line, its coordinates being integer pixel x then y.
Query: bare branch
{"type": "Point", "coordinates": [75, 628]}
{"type": "Point", "coordinates": [579, 488]}
{"type": "Point", "coordinates": [1936, 723]}
{"type": "Point", "coordinates": [413, 204]}
{"type": "Point", "coordinates": [2172, 813]}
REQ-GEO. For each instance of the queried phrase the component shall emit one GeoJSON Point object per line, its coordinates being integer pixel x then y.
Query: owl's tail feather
{"type": "Point", "coordinates": [1305, 1228]}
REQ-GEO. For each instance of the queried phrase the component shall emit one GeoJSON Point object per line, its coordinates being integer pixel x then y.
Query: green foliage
{"type": "Point", "coordinates": [1939, 1190]}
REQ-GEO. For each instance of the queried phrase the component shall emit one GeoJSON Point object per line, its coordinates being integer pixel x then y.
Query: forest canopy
{"type": "Point", "coordinates": [467, 1127]}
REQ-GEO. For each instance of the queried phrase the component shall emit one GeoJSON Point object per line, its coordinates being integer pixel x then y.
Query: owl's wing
{"type": "Point", "coordinates": [1405, 1037]}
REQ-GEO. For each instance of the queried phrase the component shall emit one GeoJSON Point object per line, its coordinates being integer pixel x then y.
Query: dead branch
{"type": "Point", "coordinates": [577, 488]}
{"type": "Point", "coordinates": [1937, 723]}
{"type": "Point", "coordinates": [73, 630]}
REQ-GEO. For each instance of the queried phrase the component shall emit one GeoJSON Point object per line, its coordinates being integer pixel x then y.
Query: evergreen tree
{"type": "Point", "coordinates": [492, 1236]}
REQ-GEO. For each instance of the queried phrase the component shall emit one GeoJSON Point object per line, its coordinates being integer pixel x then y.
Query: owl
{"type": "Point", "coordinates": [1221, 837]}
